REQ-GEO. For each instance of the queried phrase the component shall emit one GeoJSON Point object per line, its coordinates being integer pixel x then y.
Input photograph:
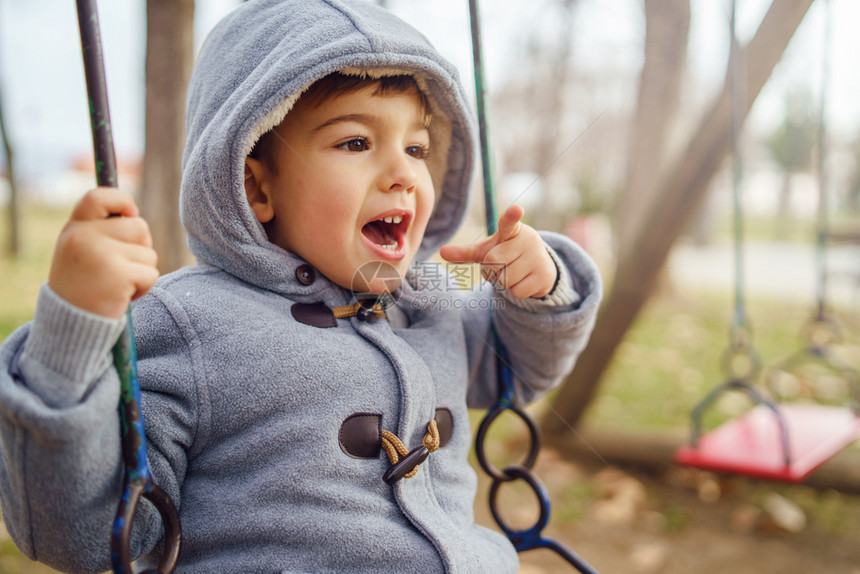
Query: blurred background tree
{"type": "Point", "coordinates": [681, 186]}
{"type": "Point", "coordinates": [13, 240]}
{"type": "Point", "coordinates": [667, 27]}
{"type": "Point", "coordinates": [169, 60]}
{"type": "Point", "coordinates": [791, 146]}
{"type": "Point", "coordinates": [853, 194]}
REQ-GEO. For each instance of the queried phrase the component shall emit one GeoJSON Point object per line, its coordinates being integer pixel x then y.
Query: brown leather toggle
{"type": "Point", "coordinates": [318, 315]}
{"type": "Point", "coordinates": [404, 464]}
{"type": "Point", "coordinates": [313, 314]}
{"type": "Point", "coordinates": [361, 435]}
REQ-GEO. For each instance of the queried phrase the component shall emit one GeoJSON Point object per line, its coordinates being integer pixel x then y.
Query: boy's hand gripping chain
{"type": "Point", "coordinates": [138, 481]}
{"type": "Point", "coordinates": [531, 538]}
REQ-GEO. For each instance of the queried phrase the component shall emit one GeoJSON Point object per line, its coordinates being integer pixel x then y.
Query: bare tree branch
{"type": "Point", "coordinates": [682, 189]}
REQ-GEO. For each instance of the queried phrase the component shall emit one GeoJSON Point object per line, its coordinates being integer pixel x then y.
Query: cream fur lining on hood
{"type": "Point", "coordinates": [440, 124]}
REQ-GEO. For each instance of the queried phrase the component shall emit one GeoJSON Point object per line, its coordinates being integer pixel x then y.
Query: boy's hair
{"type": "Point", "coordinates": [338, 84]}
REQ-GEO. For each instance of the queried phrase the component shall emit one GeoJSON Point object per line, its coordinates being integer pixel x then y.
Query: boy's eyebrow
{"type": "Point", "coordinates": [358, 118]}
{"type": "Point", "coordinates": [367, 119]}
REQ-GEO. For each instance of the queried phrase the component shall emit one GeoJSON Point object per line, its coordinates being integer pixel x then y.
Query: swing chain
{"type": "Point", "coordinates": [138, 482]}
{"type": "Point", "coordinates": [530, 538]}
{"type": "Point", "coordinates": [820, 333]}
{"type": "Point", "coordinates": [741, 361]}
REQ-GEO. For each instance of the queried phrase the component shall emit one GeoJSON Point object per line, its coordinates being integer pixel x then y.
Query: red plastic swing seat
{"type": "Point", "coordinates": [751, 445]}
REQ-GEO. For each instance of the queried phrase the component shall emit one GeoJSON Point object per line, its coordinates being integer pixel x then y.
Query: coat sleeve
{"type": "Point", "coordinates": [542, 338]}
{"type": "Point", "coordinates": [61, 470]}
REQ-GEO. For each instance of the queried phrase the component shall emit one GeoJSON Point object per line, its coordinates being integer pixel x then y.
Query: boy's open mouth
{"type": "Point", "coordinates": [388, 230]}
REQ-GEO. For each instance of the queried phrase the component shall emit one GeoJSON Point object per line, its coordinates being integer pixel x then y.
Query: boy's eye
{"type": "Point", "coordinates": [356, 144]}
{"type": "Point", "coordinates": [418, 151]}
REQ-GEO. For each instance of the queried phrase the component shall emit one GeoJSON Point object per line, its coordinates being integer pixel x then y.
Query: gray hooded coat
{"type": "Point", "coordinates": [247, 402]}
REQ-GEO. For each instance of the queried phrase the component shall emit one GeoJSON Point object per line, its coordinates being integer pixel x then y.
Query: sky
{"type": "Point", "coordinates": [44, 96]}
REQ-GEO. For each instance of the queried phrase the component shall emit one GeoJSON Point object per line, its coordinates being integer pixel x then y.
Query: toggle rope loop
{"type": "Point", "coordinates": [531, 538]}
{"type": "Point", "coordinates": [364, 310]}
{"type": "Point", "coordinates": [404, 463]}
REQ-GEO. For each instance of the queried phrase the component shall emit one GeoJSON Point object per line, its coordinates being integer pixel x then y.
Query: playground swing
{"type": "Point", "coordinates": [804, 373]}
{"type": "Point", "coordinates": [775, 441]}
{"type": "Point", "coordinates": [138, 481]}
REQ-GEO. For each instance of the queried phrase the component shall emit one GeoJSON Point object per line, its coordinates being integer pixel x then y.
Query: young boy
{"type": "Point", "coordinates": [325, 139]}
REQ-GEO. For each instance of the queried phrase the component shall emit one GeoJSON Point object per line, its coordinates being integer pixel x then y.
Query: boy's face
{"type": "Point", "coordinates": [348, 184]}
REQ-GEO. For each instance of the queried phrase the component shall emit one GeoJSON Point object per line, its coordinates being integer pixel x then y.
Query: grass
{"type": "Point", "coordinates": [788, 229]}
{"type": "Point", "coordinates": [22, 276]}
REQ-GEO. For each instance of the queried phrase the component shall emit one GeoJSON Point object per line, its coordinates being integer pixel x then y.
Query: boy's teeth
{"type": "Point", "coordinates": [394, 219]}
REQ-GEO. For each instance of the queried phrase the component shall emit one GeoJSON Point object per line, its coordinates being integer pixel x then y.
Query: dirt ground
{"type": "Point", "coordinates": [680, 521]}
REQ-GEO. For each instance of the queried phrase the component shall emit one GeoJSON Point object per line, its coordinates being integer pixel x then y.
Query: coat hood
{"type": "Point", "coordinates": [252, 68]}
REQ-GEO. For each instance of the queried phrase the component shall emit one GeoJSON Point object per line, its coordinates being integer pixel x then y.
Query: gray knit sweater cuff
{"type": "Point", "coordinates": [69, 342]}
{"type": "Point", "coordinates": [562, 294]}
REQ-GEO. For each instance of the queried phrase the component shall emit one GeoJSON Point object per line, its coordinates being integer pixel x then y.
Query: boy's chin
{"type": "Point", "coordinates": [376, 277]}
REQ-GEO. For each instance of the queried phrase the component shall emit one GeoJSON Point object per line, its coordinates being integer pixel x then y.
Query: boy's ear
{"type": "Point", "coordinates": [257, 190]}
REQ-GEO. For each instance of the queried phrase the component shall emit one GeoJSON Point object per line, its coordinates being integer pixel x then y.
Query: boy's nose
{"type": "Point", "coordinates": [399, 174]}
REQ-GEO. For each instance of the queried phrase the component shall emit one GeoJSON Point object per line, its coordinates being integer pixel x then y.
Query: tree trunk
{"type": "Point", "coordinates": [169, 59]}
{"type": "Point", "coordinates": [783, 211]}
{"type": "Point", "coordinates": [667, 27]}
{"type": "Point", "coordinates": [683, 188]}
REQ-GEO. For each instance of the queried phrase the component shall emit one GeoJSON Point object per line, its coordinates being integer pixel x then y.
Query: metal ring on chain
{"type": "Point", "coordinates": [480, 441]}
{"type": "Point", "coordinates": [121, 536]}
{"type": "Point", "coordinates": [741, 363]}
{"type": "Point", "coordinates": [514, 472]}
{"type": "Point", "coordinates": [532, 538]}
{"type": "Point", "coordinates": [821, 333]}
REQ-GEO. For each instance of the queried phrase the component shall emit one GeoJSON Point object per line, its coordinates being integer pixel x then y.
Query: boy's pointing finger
{"type": "Point", "coordinates": [509, 223]}
{"type": "Point", "coordinates": [509, 227]}
{"type": "Point", "coordinates": [462, 253]}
